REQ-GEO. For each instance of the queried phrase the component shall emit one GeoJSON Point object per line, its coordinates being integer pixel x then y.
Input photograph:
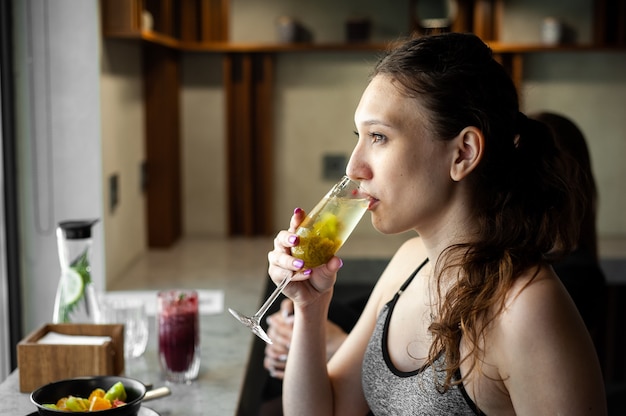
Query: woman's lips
{"type": "Point", "coordinates": [372, 203]}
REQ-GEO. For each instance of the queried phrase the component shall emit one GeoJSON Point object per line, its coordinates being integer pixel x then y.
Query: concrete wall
{"type": "Point", "coordinates": [123, 152]}
{"type": "Point", "coordinates": [204, 148]}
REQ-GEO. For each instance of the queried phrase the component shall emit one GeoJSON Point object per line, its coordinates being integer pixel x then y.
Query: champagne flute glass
{"type": "Point", "coordinates": [322, 232]}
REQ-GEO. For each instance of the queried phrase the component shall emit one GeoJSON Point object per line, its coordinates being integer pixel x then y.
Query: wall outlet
{"type": "Point", "coordinates": [333, 166]}
{"type": "Point", "coordinates": [114, 196]}
{"type": "Point", "coordinates": [143, 176]}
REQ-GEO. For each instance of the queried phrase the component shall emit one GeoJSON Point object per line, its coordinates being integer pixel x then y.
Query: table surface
{"type": "Point", "coordinates": [225, 350]}
{"type": "Point", "coordinates": [225, 344]}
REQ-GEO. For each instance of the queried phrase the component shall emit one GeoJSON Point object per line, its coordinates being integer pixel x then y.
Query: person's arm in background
{"type": "Point", "coordinates": [280, 326]}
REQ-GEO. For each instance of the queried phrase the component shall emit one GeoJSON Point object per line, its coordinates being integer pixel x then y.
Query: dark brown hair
{"type": "Point", "coordinates": [521, 198]}
{"type": "Point", "coordinates": [573, 146]}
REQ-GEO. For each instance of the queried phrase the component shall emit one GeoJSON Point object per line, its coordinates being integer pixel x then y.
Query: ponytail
{"type": "Point", "coordinates": [552, 204]}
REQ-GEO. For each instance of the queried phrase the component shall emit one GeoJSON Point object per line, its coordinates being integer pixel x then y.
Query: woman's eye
{"type": "Point", "coordinates": [377, 137]}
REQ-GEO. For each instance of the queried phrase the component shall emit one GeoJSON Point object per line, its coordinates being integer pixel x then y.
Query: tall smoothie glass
{"type": "Point", "coordinates": [322, 233]}
{"type": "Point", "coordinates": [179, 335]}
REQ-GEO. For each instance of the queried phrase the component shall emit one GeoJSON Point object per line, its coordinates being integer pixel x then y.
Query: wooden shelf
{"type": "Point", "coordinates": [232, 47]}
{"type": "Point", "coordinates": [245, 47]}
{"type": "Point", "coordinates": [248, 47]}
{"type": "Point", "coordinates": [512, 48]}
{"type": "Point", "coordinates": [159, 39]}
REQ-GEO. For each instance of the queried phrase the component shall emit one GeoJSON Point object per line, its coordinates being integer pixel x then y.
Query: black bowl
{"type": "Point", "coordinates": [82, 387]}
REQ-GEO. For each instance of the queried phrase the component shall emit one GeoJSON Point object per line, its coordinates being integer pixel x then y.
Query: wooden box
{"type": "Point", "coordinates": [40, 364]}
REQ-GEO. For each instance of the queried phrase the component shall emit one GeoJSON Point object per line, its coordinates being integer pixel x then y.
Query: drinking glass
{"type": "Point", "coordinates": [179, 335]}
{"type": "Point", "coordinates": [132, 313]}
{"type": "Point", "coordinates": [322, 233]}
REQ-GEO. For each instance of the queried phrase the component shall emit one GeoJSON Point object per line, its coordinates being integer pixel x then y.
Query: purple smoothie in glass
{"type": "Point", "coordinates": [179, 334]}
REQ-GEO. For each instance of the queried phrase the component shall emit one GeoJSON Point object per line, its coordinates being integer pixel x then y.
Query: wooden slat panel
{"type": "Point", "coordinates": [481, 17]}
{"type": "Point", "coordinates": [239, 151]}
{"type": "Point", "coordinates": [121, 17]}
{"type": "Point", "coordinates": [243, 169]}
{"type": "Point", "coordinates": [498, 17]}
{"type": "Point", "coordinates": [208, 24]}
{"type": "Point", "coordinates": [224, 19]}
{"type": "Point", "coordinates": [600, 22]}
{"type": "Point", "coordinates": [248, 80]}
{"type": "Point", "coordinates": [463, 21]}
{"type": "Point", "coordinates": [189, 20]}
{"type": "Point", "coordinates": [215, 17]}
{"type": "Point", "coordinates": [488, 18]}
{"type": "Point", "coordinates": [167, 14]}
{"type": "Point", "coordinates": [161, 96]}
{"type": "Point", "coordinates": [609, 23]}
{"type": "Point", "coordinates": [231, 119]}
{"type": "Point", "coordinates": [263, 146]}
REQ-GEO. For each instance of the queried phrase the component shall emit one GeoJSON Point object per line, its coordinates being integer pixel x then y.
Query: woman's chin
{"type": "Point", "coordinates": [389, 227]}
{"type": "Point", "coordinates": [384, 228]}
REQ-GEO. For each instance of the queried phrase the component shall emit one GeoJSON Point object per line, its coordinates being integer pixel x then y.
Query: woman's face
{"type": "Point", "coordinates": [400, 163]}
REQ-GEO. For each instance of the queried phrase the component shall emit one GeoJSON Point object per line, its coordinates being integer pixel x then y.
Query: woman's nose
{"type": "Point", "coordinates": [357, 168]}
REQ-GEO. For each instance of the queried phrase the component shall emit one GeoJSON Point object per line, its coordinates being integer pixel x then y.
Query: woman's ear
{"type": "Point", "coordinates": [468, 151]}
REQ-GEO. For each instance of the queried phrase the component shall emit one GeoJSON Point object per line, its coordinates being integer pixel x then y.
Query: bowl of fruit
{"type": "Point", "coordinates": [107, 395]}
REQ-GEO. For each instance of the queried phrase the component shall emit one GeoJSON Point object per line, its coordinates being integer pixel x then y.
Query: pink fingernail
{"type": "Point", "coordinates": [292, 239]}
{"type": "Point", "coordinates": [340, 263]}
{"type": "Point", "coordinates": [307, 272]}
{"type": "Point", "coordinates": [297, 210]}
{"type": "Point", "coordinates": [298, 263]}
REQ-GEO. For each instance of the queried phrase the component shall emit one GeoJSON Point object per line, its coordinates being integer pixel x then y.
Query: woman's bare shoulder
{"type": "Point", "coordinates": [537, 299]}
{"type": "Point", "coordinates": [539, 291]}
{"type": "Point", "coordinates": [539, 339]}
{"type": "Point", "coordinates": [410, 251]}
{"type": "Point", "coordinates": [408, 256]}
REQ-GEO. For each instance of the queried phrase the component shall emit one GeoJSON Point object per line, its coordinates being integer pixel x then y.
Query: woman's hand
{"type": "Point", "coordinates": [280, 328]}
{"type": "Point", "coordinates": [307, 284]}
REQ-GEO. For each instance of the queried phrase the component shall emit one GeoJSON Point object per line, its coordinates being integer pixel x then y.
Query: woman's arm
{"type": "Point", "coordinates": [310, 387]}
{"type": "Point", "coordinates": [306, 387]}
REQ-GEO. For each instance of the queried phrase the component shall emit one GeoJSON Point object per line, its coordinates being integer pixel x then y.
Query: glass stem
{"type": "Point", "coordinates": [272, 298]}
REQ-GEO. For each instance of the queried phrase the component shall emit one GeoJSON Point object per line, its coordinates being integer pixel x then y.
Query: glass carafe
{"type": "Point", "coordinates": [76, 300]}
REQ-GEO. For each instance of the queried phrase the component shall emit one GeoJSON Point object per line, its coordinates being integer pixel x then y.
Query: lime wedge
{"type": "Point", "coordinates": [116, 392]}
{"type": "Point", "coordinates": [72, 286]}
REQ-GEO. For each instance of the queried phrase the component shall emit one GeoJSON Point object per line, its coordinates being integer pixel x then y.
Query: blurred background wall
{"type": "Point", "coordinates": [315, 96]}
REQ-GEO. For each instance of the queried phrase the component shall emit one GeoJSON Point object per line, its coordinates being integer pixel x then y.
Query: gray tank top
{"type": "Point", "coordinates": [390, 391]}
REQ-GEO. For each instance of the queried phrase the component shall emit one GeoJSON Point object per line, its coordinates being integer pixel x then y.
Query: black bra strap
{"type": "Point", "coordinates": [408, 281]}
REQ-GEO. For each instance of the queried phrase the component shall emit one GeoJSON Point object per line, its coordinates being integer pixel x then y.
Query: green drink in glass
{"type": "Point", "coordinates": [322, 233]}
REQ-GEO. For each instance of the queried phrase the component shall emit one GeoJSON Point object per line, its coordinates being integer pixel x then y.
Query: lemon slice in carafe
{"type": "Point", "coordinates": [72, 286]}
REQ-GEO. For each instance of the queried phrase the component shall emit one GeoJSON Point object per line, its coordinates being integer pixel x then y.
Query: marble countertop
{"type": "Point", "coordinates": [238, 268]}
{"type": "Point", "coordinates": [225, 346]}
